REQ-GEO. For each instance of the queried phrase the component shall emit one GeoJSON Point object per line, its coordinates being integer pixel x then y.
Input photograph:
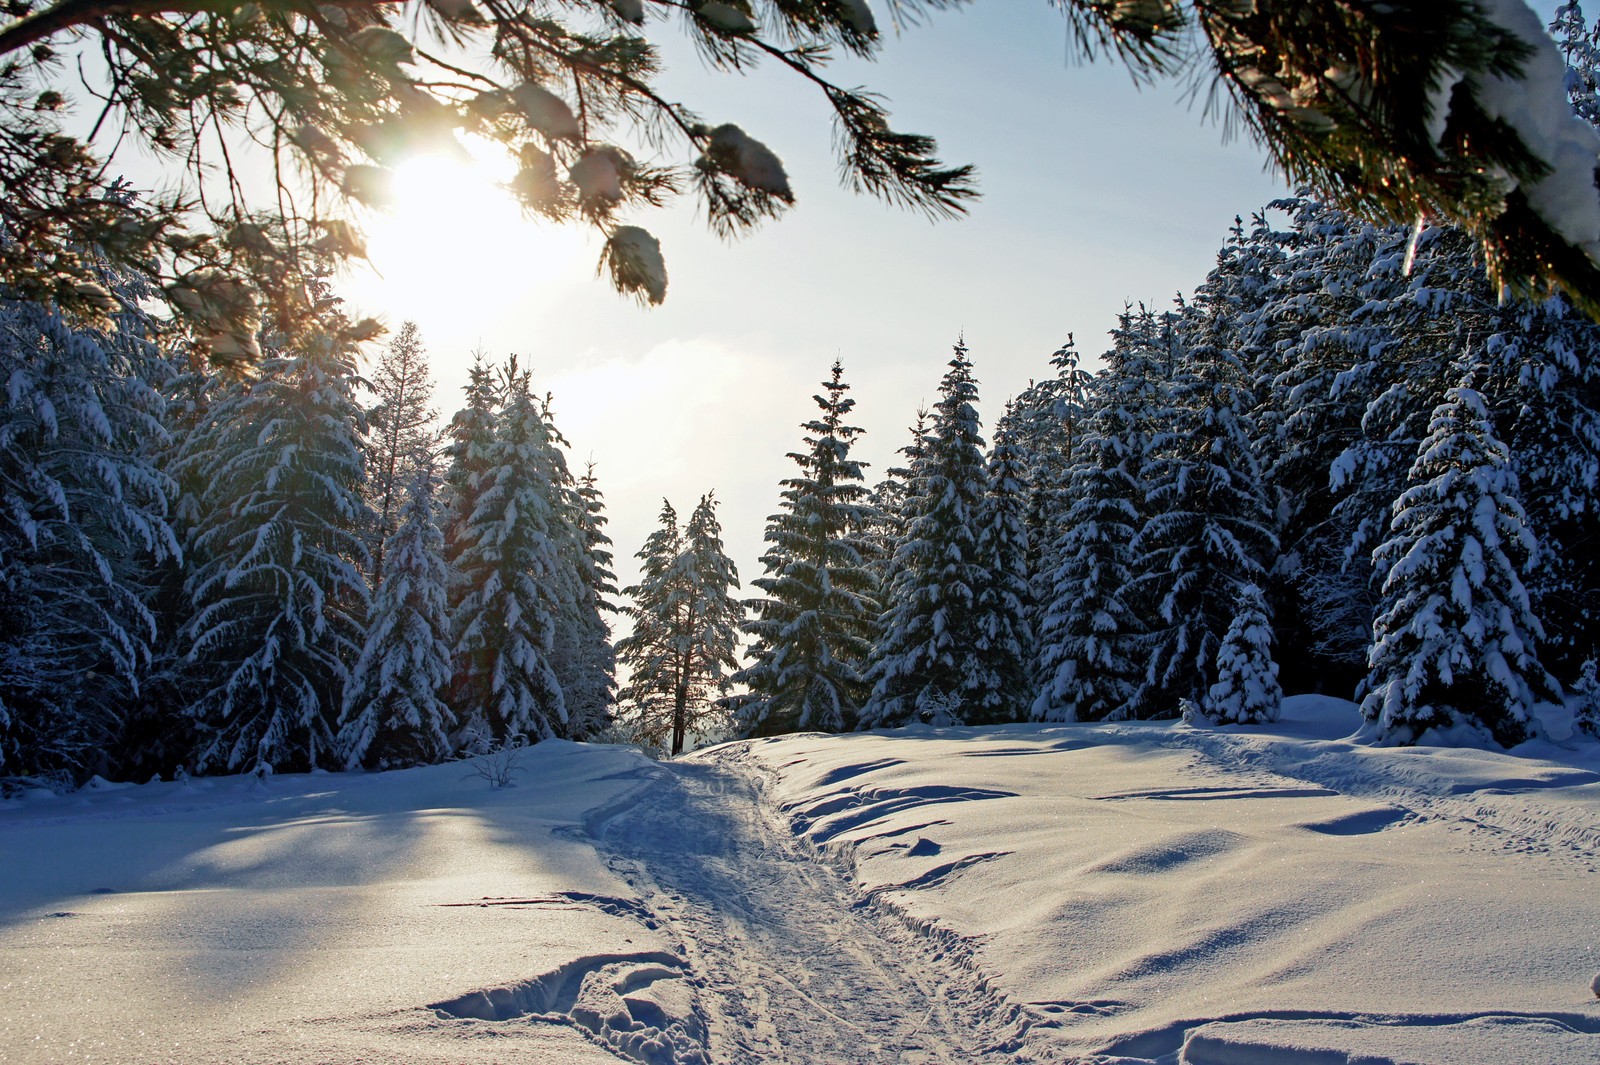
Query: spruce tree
{"type": "Point", "coordinates": [925, 662]}
{"type": "Point", "coordinates": [401, 438]}
{"type": "Point", "coordinates": [161, 733]}
{"type": "Point", "coordinates": [394, 711]}
{"type": "Point", "coordinates": [886, 524]}
{"type": "Point", "coordinates": [1005, 598]}
{"type": "Point", "coordinates": [1044, 424]}
{"type": "Point", "coordinates": [511, 578]}
{"type": "Point", "coordinates": [1543, 385]}
{"type": "Point", "coordinates": [584, 660]}
{"type": "Point", "coordinates": [651, 654]}
{"type": "Point", "coordinates": [84, 521]}
{"type": "Point", "coordinates": [1089, 661]}
{"type": "Point", "coordinates": [469, 437]}
{"type": "Point", "coordinates": [1455, 641]}
{"type": "Point", "coordinates": [275, 578]}
{"type": "Point", "coordinates": [813, 629]}
{"type": "Point", "coordinates": [1246, 691]}
{"type": "Point", "coordinates": [1312, 388]}
{"type": "Point", "coordinates": [1210, 529]}
{"type": "Point", "coordinates": [683, 647]}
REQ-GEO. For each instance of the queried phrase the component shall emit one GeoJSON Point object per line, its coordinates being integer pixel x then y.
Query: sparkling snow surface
{"type": "Point", "coordinates": [1127, 893]}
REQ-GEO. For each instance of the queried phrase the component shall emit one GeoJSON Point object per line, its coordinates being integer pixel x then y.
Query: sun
{"type": "Point", "coordinates": [454, 239]}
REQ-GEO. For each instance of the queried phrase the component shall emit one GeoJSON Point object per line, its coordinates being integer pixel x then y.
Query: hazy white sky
{"type": "Point", "coordinates": [1094, 193]}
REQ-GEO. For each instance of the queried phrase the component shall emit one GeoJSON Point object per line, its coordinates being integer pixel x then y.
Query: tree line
{"type": "Point", "coordinates": [1345, 446]}
{"type": "Point", "coordinates": [287, 569]}
{"type": "Point", "coordinates": [1351, 443]}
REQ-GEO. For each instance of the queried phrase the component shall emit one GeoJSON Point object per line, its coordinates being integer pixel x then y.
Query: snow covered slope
{"type": "Point", "coordinates": [318, 918]}
{"type": "Point", "coordinates": [1126, 893]}
{"type": "Point", "coordinates": [1155, 892]}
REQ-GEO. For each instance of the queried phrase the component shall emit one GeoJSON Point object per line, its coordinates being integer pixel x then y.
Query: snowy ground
{"type": "Point", "coordinates": [1110, 893]}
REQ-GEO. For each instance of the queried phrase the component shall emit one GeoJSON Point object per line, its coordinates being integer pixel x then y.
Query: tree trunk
{"type": "Point", "coordinates": [680, 714]}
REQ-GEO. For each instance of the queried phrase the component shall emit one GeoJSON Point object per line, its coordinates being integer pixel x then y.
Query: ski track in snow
{"type": "Point", "coordinates": [1493, 815]}
{"type": "Point", "coordinates": [1495, 804]}
{"type": "Point", "coordinates": [788, 962]}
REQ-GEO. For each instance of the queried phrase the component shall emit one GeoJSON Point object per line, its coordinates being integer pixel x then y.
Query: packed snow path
{"type": "Point", "coordinates": [789, 963]}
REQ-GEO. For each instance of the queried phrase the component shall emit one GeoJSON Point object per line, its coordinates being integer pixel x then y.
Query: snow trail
{"type": "Point", "coordinates": [789, 963]}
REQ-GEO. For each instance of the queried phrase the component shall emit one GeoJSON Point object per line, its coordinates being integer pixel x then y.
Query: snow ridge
{"type": "Point", "coordinates": [1503, 813]}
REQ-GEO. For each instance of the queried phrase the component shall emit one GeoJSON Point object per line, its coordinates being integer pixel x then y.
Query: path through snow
{"type": "Point", "coordinates": [791, 965]}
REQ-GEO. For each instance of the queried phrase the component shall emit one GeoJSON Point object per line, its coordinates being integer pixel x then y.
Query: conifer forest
{"type": "Point", "coordinates": [1348, 461]}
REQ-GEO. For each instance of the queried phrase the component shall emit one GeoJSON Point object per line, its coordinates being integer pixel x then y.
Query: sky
{"type": "Point", "coordinates": [1096, 192]}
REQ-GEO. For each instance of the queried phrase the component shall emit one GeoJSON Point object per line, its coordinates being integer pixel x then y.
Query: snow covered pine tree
{"type": "Point", "coordinates": [1005, 598]}
{"type": "Point", "coordinates": [584, 659]}
{"type": "Point", "coordinates": [83, 520]}
{"type": "Point", "coordinates": [685, 629]}
{"type": "Point", "coordinates": [1246, 691]}
{"type": "Point", "coordinates": [1210, 529]}
{"type": "Point", "coordinates": [505, 620]}
{"type": "Point", "coordinates": [1455, 643]}
{"type": "Point", "coordinates": [814, 629]}
{"type": "Point", "coordinates": [394, 712]}
{"type": "Point", "coordinates": [925, 664]}
{"type": "Point", "coordinates": [279, 598]}
{"type": "Point", "coordinates": [1089, 663]}
{"type": "Point", "coordinates": [402, 437]}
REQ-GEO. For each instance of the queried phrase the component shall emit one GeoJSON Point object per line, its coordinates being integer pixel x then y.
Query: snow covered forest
{"type": "Point", "coordinates": [1347, 463]}
{"type": "Point", "coordinates": [1229, 694]}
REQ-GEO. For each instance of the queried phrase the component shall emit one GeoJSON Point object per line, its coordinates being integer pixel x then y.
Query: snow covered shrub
{"type": "Point", "coordinates": [58, 781]}
{"type": "Point", "coordinates": [1586, 700]}
{"type": "Point", "coordinates": [1247, 690]}
{"type": "Point", "coordinates": [499, 763]}
{"type": "Point", "coordinates": [939, 709]}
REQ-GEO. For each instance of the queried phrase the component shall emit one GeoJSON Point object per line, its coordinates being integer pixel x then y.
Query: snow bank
{"type": "Point", "coordinates": [1157, 892]}
{"type": "Point", "coordinates": [1116, 893]}
{"type": "Point", "coordinates": [418, 916]}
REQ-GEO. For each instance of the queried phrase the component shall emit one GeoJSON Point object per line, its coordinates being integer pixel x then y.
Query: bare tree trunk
{"type": "Point", "coordinates": [680, 712]}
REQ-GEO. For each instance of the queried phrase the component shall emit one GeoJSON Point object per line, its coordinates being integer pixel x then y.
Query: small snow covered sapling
{"type": "Point", "coordinates": [499, 763]}
{"type": "Point", "coordinates": [940, 709]}
{"type": "Point", "coordinates": [1586, 701]}
{"type": "Point", "coordinates": [1247, 690]}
